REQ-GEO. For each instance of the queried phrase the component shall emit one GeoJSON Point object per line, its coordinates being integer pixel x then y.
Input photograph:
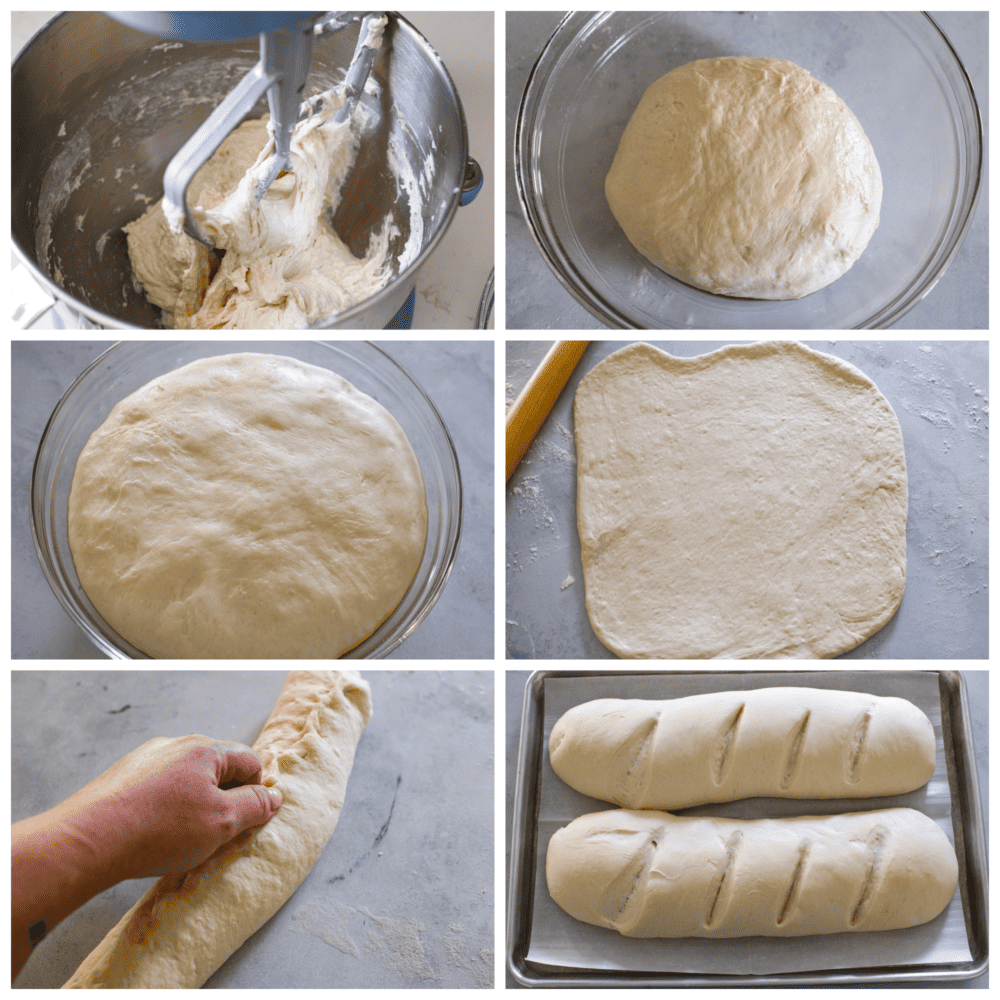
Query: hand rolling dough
{"type": "Point", "coordinates": [186, 926]}
{"type": "Point", "coordinates": [746, 503]}
{"type": "Point", "coordinates": [746, 177]}
{"type": "Point", "coordinates": [247, 506]}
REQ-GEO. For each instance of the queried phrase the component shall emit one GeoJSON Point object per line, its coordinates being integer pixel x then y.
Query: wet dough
{"type": "Point", "coordinates": [746, 177]}
{"type": "Point", "coordinates": [247, 506]}
{"type": "Point", "coordinates": [746, 503]}
{"type": "Point", "coordinates": [284, 266]}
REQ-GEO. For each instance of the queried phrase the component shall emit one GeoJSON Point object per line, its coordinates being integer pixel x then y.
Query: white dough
{"type": "Point", "coordinates": [746, 503]}
{"type": "Point", "coordinates": [284, 266]}
{"type": "Point", "coordinates": [746, 177]}
{"type": "Point", "coordinates": [186, 926]}
{"type": "Point", "coordinates": [781, 742]}
{"type": "Point", "coordinates": [649, 874]}
{"type": "Point", "coordinates": [247, 506]}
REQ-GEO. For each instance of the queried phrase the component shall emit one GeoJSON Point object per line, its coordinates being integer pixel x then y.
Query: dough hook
{"type": "Point", "coordinates": [286, 50]}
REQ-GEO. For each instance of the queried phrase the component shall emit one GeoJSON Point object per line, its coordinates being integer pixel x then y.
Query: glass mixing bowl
{"type": "Point", "coordinates": [130, 365]}
{"type": "Point", "coordinates": [896, 71]}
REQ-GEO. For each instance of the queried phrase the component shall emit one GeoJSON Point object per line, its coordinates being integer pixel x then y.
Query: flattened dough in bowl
{"type": "Point", "coordinates": [742, 504]}
{"type": "Point", "coordinates": [746, 177]}
{"type": "Point", "coordinates": [247, 506]}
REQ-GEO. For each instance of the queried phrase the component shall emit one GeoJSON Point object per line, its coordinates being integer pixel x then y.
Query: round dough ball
{"type": "Point", "coordinates": [746, 177]}
{"type": "Point", "coordinates": [742, 504]}
{"type": "Point", "coordinates": [247, 507]}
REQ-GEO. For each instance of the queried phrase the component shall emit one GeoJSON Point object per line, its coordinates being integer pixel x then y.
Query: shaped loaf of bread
{"type": "Point", "coordinates": [186, 926]}
{"type": "Point", "coordinates": [772, 742]}
{"type": "Point", "coordinates": [650, 874]}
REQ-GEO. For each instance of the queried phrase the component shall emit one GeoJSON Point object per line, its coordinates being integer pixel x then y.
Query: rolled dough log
{"type": "Point", "coordinates": [247, 506]}
{"type": "Point", "coordinates": [746, 177]}
{"type": "Point", "coordinates": [186, 926]}
{"type": "Point", "coordinates": [746, 503]}
{"type": "Point", "coordinates": [649, 874]}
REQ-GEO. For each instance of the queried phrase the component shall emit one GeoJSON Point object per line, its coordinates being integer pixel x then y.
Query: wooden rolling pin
{"type": "Point", "coordinates": [537, 398]}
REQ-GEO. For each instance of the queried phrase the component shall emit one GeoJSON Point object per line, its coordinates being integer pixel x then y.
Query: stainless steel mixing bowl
{"type": "Point", "coordinates": [98, 110]}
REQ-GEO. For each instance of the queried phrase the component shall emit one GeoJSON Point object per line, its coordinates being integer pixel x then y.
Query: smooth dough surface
{"type": "Point", "coordinates": [247, 506]}
{"type": "Point", "coordinates": [186, 926]}
{"type": "Point", "coordinates": [787, 742]}
{"type": "Point", "coordinates": [284, 266]}
{"type": "Point", "coordinates": [746, 503]}
{"type": "Point", "coordinates": [746, 177]}
{"type": "Point", "coordinates": [649, 874]}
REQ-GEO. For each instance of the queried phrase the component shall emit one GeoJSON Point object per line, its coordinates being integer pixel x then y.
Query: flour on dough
{"type": "Point", "coordinates": [247, 506]}
{"type": "Point", "coordinates": [186, 926]}
{"type": "Point", "coordinates": [746, 503]}
{"type": "Point", "coordinates": [746, 177]}
{"type": "Point", "coordinates": [284, 266]}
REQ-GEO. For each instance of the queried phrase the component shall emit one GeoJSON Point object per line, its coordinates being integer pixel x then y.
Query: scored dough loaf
{"type": "Point", "coordinates": [726, 745]}
{"type": "Point", "coordinates": [746, 177]}
{"type": "Point", "coordinates": [186, 926]}
{"type": "Point", "coordinates": [650, 874]}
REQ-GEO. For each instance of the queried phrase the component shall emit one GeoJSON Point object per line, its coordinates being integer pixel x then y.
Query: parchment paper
{"type": "Point", "coordinates": [557, 939]}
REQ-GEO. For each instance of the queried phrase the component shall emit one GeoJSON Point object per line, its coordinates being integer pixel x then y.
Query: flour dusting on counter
{"type": "Point", "coordinates": [332, 930]}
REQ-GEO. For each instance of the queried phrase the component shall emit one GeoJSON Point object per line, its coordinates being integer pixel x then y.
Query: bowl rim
{"type": "Point", "coordinates": [348, 317]}
{"type": "Point", "coordinates": [371, 647]}
{"type": "Point", "coordinates": [561, 263]}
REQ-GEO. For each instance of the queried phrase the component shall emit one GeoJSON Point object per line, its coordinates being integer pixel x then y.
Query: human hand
{"type": "Point", "coordinates": [169, 805]}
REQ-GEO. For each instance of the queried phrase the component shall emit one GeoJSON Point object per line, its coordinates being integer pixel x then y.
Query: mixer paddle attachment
{"type": "Point", "coordinates": [365, 52]}
{"type": "Point", "coordinates": [281, 72]}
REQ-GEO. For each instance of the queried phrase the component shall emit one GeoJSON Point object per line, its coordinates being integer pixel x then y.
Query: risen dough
{"type": "Point", "coordinates": [284, 265]}
{"type": "Point", "coordinates": [649, 874]}
{"type": "Point", "coordinates": [186, 926]}
{"type": "Point", "coordinates": [247, 506]}
{"type": "Point", "coordinates": [746, 503]}
{"type": "Point", "coordinates": [784, 742]}
{"type": "Point", "coordinates": [746, 177]}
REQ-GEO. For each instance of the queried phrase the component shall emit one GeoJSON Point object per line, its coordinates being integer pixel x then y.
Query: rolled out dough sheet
{"type": "Point", "coordinates": [747, 503]}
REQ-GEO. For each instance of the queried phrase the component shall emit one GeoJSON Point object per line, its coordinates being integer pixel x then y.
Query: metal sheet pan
{"type": "Point", "coordinates": [545, 947]}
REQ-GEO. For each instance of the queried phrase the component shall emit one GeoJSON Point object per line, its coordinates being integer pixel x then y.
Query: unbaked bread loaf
{"type": "Point", "coordinates": [650, 874]}
{"type": "Point", "coordinates": [774, 742]}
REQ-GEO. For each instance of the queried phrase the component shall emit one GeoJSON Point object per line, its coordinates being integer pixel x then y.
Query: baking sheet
{"type": "Point", "coordinates": [559, 940]}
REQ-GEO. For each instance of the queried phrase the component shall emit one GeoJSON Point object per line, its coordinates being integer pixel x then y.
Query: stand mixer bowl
{"type": "Point", "coordinates": [98, 111]}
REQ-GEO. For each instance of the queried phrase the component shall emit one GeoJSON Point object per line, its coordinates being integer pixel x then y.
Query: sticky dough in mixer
{"type": "Point", "coordinates": [284, 266]}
